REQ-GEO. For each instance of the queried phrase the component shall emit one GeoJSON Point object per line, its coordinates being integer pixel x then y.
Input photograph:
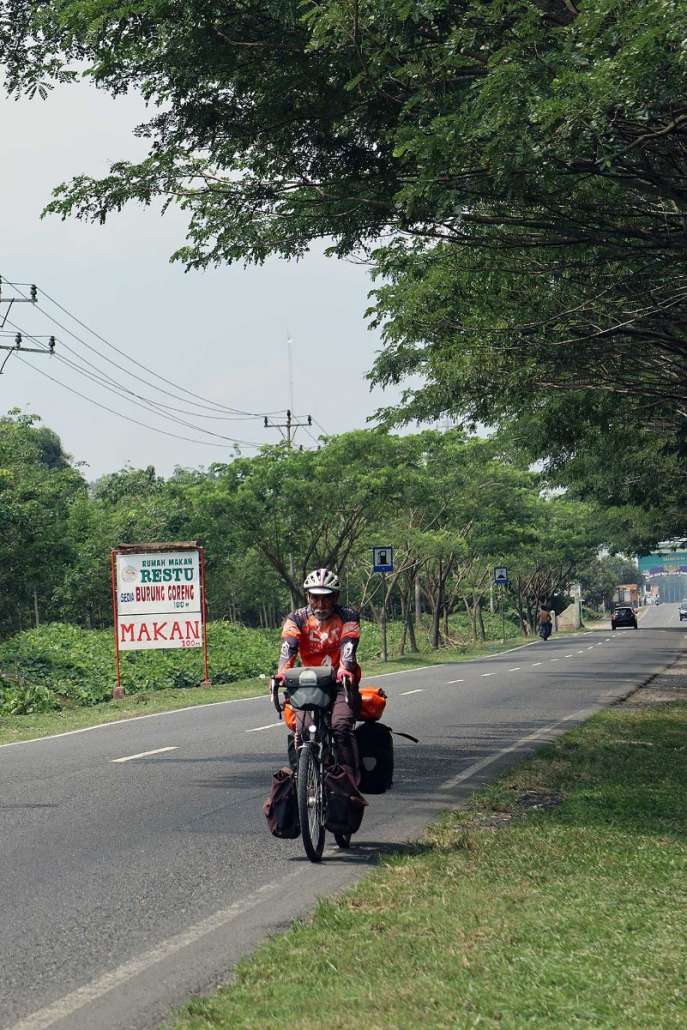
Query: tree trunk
{"type": "Point", "coordinates": [482, 631]}
{"type": "Point", "coordinates": [436, 614]}
{"type": "Point", "coordinates": [411, 632]}
{"type": "Point", "coordinates": [418, 601]}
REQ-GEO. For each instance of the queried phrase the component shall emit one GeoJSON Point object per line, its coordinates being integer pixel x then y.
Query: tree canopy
{"type": "Point", "coordinates": [515, 172]}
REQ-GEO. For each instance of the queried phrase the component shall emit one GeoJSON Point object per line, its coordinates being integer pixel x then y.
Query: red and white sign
{"type": "Point", "coordinates": [159, 600]}
{"type": "Point", "coordinates": [158, 595]}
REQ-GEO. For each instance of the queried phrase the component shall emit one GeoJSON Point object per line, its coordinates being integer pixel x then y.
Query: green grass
{"type": "Point", "coordinates": [570, 914]}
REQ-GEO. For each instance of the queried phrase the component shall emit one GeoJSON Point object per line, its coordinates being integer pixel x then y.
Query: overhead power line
{"type": "Point", "coordinates": [206, 402]}
{"type": "Point", "coordinates": [155, 429]}
{"type": "Point", "coordinates": [112, 387]}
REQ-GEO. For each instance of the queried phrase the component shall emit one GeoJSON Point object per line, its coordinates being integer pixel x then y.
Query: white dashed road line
{"type": "Point", "coordinates": [516, 669]}
{"type": "Point", "coordinates": [484, 674]}
{"type": "Point", "coordinates": [405, 693]}
{"type": "Point", "coordinates": [270, 726]}
{"type": "Point", "coordinates": [451, 682]}
{"type": "Point", "coordinates": [144, 754]}
{"type": "Point", "coordinates": [555, 659]}
{"type": "Point", "coordinates": [404, 672]}
{"type": "Point", "coordinates": [536, 663]}
{"type": "Point", "coordinates": [568, 655]}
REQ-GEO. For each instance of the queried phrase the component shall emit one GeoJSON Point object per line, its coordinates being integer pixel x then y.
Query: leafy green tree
{"type": "Point", "coordinates": [38, 484]}
{"type": "Point", "coordinates": [524, 158]}
{"type": "Point", "coordinates": [305, 509]}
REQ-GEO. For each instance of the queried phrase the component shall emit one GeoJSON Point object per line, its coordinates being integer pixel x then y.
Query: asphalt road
{"type": "Point", "coordinates": [130, 881]}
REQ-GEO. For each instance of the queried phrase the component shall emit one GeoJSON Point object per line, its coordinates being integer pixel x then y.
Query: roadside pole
{"type": "Point", "coordinates": [385, 649]}
{"type": "Point", "coordinates": [500, 579]}
{"type": "Point", "coordinates": [383, 562]}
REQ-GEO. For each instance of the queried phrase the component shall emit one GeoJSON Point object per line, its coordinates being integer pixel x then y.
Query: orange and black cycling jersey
{"type": "Point", "coordinates": [332, 642]}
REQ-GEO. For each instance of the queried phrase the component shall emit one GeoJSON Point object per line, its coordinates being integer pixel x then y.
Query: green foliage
{"type": "Point", "coordinates": [525, 161]}
{"type": "Point", "coordinates": [62, 665]}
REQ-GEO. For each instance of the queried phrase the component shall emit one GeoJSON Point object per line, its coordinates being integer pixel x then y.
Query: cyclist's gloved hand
{"type": "Point", "coordinates": [344, 676]}
{"type": "Point", "coordinates": [278, 679]}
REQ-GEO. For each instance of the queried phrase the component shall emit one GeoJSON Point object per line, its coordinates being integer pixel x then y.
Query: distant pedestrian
{"type": "Point", "coordinates": [544, 622]}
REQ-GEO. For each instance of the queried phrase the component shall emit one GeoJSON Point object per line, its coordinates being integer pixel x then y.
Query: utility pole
{"type": "Point", "coordinates": [18, 347]}
{"type": "Point", "coordinates": [18, 344]}
{"type": "Point", "coordinates": [289, 426]}
{"type": "Point", "coordinates": [31, 299]}
{"type": "Point", "coordinates": [287, 430]}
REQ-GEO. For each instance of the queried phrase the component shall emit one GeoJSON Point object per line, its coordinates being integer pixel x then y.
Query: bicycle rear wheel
{"type": "Point", "coordinates": [310, 803]}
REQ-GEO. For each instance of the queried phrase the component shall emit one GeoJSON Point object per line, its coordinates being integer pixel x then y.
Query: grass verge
{"type": "Point", "coordinates": [556, 898]}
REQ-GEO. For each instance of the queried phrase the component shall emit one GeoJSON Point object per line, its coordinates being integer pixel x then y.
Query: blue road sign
{"type": "Point", "coordinates": [382, 559]}
{"type": "Point", "coordinates": [501, 576]}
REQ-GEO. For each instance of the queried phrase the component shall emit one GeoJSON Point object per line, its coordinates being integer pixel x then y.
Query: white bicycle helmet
{"type": "Point", "coordinates": [322, 581]}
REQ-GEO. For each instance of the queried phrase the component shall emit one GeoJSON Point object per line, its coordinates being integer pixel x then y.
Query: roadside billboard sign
{"type": "Point", "coordinates": [664, 563]}
{"type": "Point", "coordinates": [158, 594]}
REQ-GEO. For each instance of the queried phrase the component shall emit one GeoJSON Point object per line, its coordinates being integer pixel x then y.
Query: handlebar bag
{"type": "Point", "coordinates": [281, 808]}
{"type": "Point", "coordinates": [376, 754]}
{"type": "Point", "coordinates": [345, 804]}
{"type": "Point", "coordinates": [310, 687]}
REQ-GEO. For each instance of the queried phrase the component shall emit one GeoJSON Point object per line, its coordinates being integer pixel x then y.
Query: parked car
{"type": "Point", "coordinates": [623, 615]}
{"type": "Point", "coordinates": [683, 609]}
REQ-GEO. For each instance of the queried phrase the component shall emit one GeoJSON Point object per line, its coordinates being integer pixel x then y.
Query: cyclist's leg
{"type": "Point", "coordinates": [343, 722]}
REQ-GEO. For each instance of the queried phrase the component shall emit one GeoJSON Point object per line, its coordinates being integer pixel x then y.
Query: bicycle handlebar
{"type": "Point", "coordinates": [274, 692]}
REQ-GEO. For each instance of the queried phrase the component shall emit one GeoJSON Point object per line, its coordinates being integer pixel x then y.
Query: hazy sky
{"type": "Point", "coordinates": [221, 334]}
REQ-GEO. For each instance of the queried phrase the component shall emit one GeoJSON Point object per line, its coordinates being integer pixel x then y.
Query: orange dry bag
{"type": "Point", "coordinates": [289, 717]}
{"type": "Point", "coordinates": [372, 703]}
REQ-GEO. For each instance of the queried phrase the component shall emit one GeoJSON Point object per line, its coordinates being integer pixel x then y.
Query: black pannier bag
{"type": "Point", "coordinates": [376, 756]}
{"type": "Point", "coordinates": [281, 807]}
{"type": "Point", "coordinates": [345, 803]}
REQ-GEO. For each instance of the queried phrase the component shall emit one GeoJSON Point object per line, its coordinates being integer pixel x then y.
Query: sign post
{"type": "Point", "coordinates": [383, 561]}
{"type": "Point", "coordinates": [158, 596]}
{"type": "Point", "coordinates": [501, 580]}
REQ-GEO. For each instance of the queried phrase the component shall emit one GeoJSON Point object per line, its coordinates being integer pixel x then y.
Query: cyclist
{"type": "Point", "coordinates": [326, 633]}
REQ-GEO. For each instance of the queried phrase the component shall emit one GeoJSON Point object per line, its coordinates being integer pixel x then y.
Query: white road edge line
{"type": "Point", "coordinates": [404, 693]}
{"type": "Point", "coordinates": [78, 999]}
{"type": "Point", "coordinates": [135, 718]}
{"type": "Point", "coordinates": [270, 726]}
{"type": "Point", "coordinates": [144, 754]}
{"type": "Point", "coordinates": [581, 713]}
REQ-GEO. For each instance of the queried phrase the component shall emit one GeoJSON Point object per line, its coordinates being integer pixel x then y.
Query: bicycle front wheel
{"type": "Point", "coordinates": [311, 803]}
